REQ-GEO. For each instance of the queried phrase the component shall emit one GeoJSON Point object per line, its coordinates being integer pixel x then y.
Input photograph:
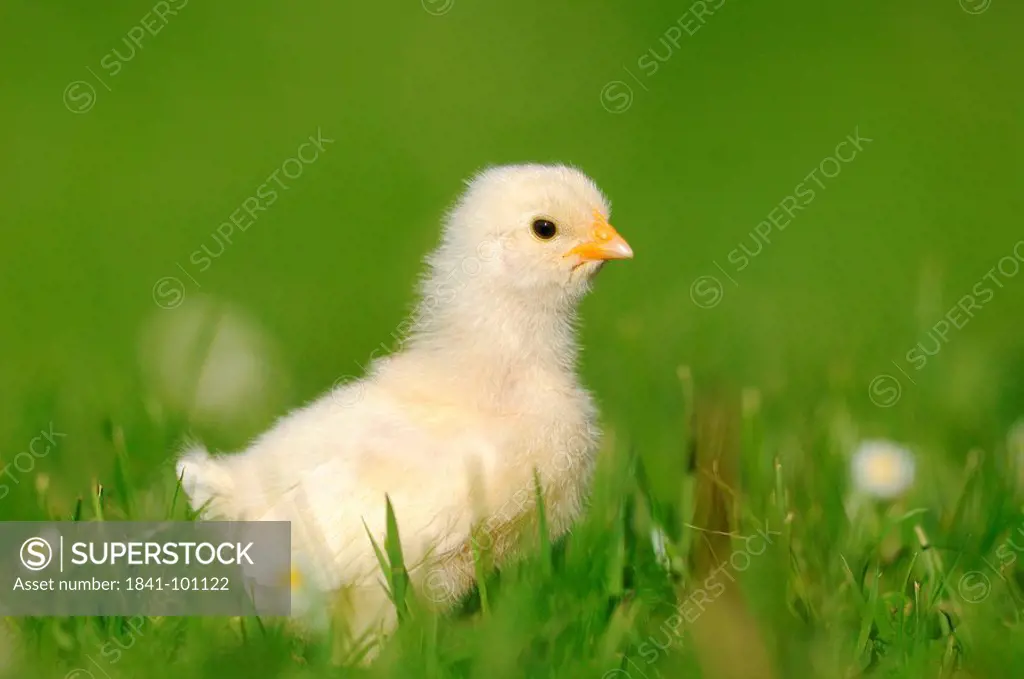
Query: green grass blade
{"type": "Point", "coordinates": [174, 497]}
{"type": "Point", "coordinates": [122, 480]}
{"type": "Point", "coordinates": [398, 575]}
{"type": "Point", "coordinates": [381, 558]}
{"type": "Point", "coordinates": [542, 524]}
{"type": "Point", "coordinates": [97, 501]}
{"type": "Point", "coordinates": [481, 566]}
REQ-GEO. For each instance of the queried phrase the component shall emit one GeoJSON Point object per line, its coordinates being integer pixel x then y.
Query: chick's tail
{"type": "Point", "coordinates": [205, 480]}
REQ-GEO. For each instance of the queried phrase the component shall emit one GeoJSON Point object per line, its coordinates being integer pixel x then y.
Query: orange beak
{"type": "Point", "coordinates": [604, 243]}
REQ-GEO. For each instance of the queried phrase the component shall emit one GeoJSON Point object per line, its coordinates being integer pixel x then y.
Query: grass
{"type": "Point", "coordinates": [104, 207]}
{"type": "Point", "coordinates": [774, 567]}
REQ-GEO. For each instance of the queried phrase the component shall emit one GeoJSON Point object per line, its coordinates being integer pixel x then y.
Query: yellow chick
{"type": "Point", "coordinates": [453, 424]}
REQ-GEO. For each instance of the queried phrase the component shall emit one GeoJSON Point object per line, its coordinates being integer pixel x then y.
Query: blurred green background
{"type": "Point", "coordinates": [113, 181]}
{"type": "Point", "coordinates": [102, 203]}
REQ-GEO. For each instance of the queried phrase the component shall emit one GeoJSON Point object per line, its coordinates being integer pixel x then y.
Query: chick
{"type": "Point", "coordinates": [453, 425]}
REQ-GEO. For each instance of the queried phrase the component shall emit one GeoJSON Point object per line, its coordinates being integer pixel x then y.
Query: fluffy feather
{"type": "Point", "coordinates": [453, 424]}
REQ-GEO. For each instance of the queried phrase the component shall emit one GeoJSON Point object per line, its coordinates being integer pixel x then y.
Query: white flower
{"type": "Point", "coordinates": [309, 601]}
{"type": "Point", "coordinates": [882, 468]}
{"type": "Point", "coordinates": [212, 361]}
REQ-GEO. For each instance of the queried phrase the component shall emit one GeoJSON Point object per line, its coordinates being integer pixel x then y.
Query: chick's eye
{"type": "Point", "coordinates": [544, 229]}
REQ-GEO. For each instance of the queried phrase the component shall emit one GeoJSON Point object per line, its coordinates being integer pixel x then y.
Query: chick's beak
{"type": "Point", "coordinates": [604, 243]}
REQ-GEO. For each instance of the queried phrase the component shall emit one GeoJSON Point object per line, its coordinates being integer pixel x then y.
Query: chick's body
{"type": "Point", "coordinates": [454, 425]}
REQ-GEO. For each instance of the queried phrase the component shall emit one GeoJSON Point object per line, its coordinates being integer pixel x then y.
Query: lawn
{"type": "Point", "coordinates": [213, 213]}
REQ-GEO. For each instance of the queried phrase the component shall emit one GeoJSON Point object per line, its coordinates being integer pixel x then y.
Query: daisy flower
{"type": "Point", "coordinates": [882, 469]}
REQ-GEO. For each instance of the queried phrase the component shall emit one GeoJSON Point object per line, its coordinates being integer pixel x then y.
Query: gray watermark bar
{"type": "Point", "coordinates": [145, 568]}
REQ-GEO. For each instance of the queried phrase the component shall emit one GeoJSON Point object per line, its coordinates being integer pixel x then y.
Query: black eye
{"type": "Point", "coordinates": [544, 229]}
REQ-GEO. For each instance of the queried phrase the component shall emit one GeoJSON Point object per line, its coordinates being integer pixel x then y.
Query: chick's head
{"type": "Point", "coordinates": [539, 230]}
